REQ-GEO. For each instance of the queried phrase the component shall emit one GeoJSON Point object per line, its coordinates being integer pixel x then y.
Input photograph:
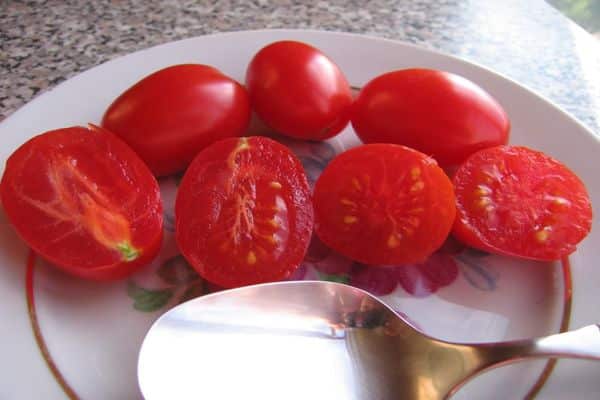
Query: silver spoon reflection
{"type": "Point", "coordinates": [317, 340]}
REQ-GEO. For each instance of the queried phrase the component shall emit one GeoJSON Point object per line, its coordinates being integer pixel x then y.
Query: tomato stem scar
{"type": "Point", "coordinates": [128, 252]}
{"type": "Point", "coordinates": [242, 145]}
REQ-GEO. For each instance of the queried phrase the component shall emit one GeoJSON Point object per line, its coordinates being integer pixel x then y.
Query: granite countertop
{"type": "Point", "coordinates": [43, 43]}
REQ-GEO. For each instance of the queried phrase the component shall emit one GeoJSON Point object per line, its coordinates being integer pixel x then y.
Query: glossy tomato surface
{"type": "Point", "coordinates": [520, 202]}
{"type": "Point", "coordinates": [438, 113]}
{"type": "Point", "coordinates": [172, 114]}
{"type": "Point", "coordinates": [298, 91]}
{"type": "Point", "coordinates": [83, 200]}
{"type": "Point", "coordinates": [243, 212]}
{"type": "Point", "coordinates": [384, 204]}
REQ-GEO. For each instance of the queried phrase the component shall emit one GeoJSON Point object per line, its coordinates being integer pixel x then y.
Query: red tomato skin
{"type": "Point", "coordinates": [172, 114]}
{"type": "Point", "coordinates": [544, 187]}
{"type": "Point", "coordinates": [298, 91]}
{"type": "Point", "coordinates": [438, 113]}
{"type": "Point", "coordinates": [366, 190]}
{"type": "Point", "coordinates": [106, 196]}
{"type": "Point", "coordinates": [204, 212]}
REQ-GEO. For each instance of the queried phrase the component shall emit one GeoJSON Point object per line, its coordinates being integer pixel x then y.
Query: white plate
{"type": "Point", "coordinates": [66, 337]}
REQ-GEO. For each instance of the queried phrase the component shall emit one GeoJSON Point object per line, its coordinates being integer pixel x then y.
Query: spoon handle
{"type": "Point", "coordinates": [580, 343]}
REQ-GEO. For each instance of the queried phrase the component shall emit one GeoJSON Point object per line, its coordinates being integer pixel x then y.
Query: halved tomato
{"type": "Point", "coordinates": [83, 200]}
{"type": "Point", "coordinates": [520, 202]}
{"type": "Point", "coordinates": [243, 212]}
{"type": "Point", "coordinates": [384, 204]}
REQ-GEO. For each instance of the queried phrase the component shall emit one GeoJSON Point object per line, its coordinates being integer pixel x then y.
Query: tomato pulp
{"type": "Point", "coordinates": [384, 204]}
{"type": "Point", "coordinates": [438, 113]}
{"type": "Point", "coordinates": [520, 202]}
{"type": "Point", "coordinates": [298, 91]}
{"type": "Point", "coordinates": [83, 200]}
{"type": "Point", "coordinates": [172, 114]}
{"type": "Point", "coordinates": [243, 212]}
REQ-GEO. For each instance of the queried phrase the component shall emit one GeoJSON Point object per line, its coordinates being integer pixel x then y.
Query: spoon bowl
{"type": "Point", "coordinates": [317, 340]}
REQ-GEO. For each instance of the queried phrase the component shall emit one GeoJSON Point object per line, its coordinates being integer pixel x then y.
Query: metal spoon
{"type": "Point", "coordinates": [318, 340]}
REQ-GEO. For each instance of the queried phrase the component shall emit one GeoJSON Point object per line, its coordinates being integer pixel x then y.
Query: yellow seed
{"type": "Point", "coordinates": [275, 185]}
{"type": "Point", "coordinates": [271, 239]}
{"type": "Point", "coordinates": [415, 172]}
{"type": "Point", "coordinates": [392, 241]}
{"type": "Point", "coordinates": [542, 235]}
{"type": "Point", "coordinates": [251, 258]}
{"type": "Point", "coordinates": [350, 219]}
{"type": "Point", "coordinates": [347, 202]}
{"type": "Point", "coordinates": [483, 202]}
{"type": "Point", "coordinates": [356, 184]}
{"type": "Point", "coordinates": [273, 222]}
{"type": "Point", "coordinates": [482, 190]}
{"type": "Point", "coordinates": [418, 185]}
{"type": "Point", "coordinates": [414, 222]}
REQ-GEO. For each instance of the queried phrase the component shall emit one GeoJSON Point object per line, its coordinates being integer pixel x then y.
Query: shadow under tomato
{"type": "Point", "coordinates": [418, 280]}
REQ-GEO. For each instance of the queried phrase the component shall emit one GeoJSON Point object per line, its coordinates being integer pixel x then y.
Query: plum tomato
{"type": "Point", "coordinates": [520, 202]}
{"type": "Point", "coordinates": [83, 200]}
{"type": "Point", "coordinates": [298, 91]}
{"type": "Point", "coordinates": [172, 114]}
{"type": "Point", "coordinates": [243, 212]}
{"type": "Point", "coordinates": [384, 204]}
{"type": "Point", "coordinates": [438, 113]}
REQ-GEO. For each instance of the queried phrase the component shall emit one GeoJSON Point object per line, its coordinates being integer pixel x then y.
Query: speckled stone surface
{"type": "Point", "coordinates": [43, 43]}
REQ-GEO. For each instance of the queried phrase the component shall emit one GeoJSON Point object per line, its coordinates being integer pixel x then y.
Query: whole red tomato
{"type": "Point", "coordinates": [172, 114]}
{"type": "Point", "coordinates": [296, 90]}
{"type": "Point", "coordinates": [438, 113]}
{"type": "Point", "coordinates": [83, 200]}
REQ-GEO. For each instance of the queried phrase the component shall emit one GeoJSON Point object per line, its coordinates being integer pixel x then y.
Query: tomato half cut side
{"type": "Point", "coordinates": [384, 204]}
{"type": "Point", "coordinates": [520, 202]}
{"type": "Point", "coordinates": [243, 212]}
{"type": "Point", "coordinates": [83, 200]}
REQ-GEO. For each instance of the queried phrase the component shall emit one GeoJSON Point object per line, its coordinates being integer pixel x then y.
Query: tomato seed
{"type": "Point", "coordinates": [417, 186]}
{"type": "Point", "coordinates": [251, 258]}
{"type": "Point", "coordinates": [350, 219]}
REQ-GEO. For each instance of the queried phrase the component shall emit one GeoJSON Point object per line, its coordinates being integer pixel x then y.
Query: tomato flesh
{"type": "Point", "coordinates": [520, 202]}
{"type": "Point", "coordinates": [172, 114]}
{"type": "Point", "coordinates": [298, 91]}
{"type": "Point", "coordinates": [243, 212]}
{"type": "Point", "coordinates": [438, 113]}
{"type": "Point", "coordinates": [383, 204]}
{"type": "Point", "coordinates": [83, 200]}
